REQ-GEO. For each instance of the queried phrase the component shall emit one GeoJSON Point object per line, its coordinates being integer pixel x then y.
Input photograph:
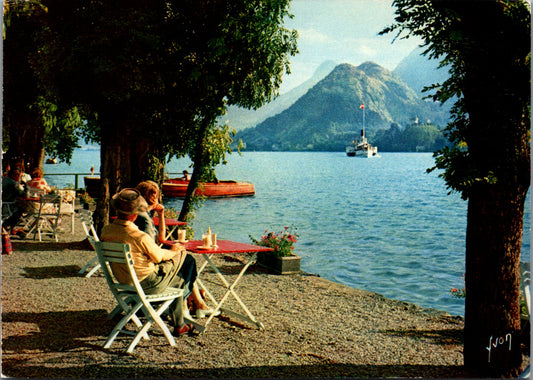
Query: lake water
{"type": "Point", "coordinates": [381, 224]}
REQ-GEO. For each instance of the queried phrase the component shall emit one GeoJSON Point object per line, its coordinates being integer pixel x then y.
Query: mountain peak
{"type": "Point", "coordinates": [372, 69]}
{"type": "Point", "coordinates": [328, 115]}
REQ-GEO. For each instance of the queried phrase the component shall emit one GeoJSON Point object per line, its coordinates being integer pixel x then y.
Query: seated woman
{"type": "Point", "coordinates": [150, 192]}
{"type": "Point", "coordinates": [37, 181]}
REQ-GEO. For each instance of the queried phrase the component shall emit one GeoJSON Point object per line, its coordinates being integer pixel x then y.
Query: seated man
{"type": "Point", "coordinates": [156, 268]}
{"type": "Point", "coordinates": [14, 191]}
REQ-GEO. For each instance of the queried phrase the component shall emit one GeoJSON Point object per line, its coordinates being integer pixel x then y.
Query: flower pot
{"type": "Point", "coordinates": [89, 206]}
{"type": "Point", "coordinates": [279, 265]}
{"type": "Point", "coordinates": [92, 186]}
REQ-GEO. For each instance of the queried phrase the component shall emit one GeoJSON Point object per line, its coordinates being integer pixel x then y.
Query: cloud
{"type": "Point", "coordinates": [313, 36]}
{"type": "Point", "coordinates": [343, 31]}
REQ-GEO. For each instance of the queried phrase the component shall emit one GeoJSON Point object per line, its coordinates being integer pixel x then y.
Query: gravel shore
{"type": "Point", "coordinates": [54, 324]}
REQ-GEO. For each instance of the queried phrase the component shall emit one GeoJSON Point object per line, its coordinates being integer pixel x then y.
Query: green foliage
{"type": "Point", "coordinates": [28, 110]}
{"type": "Point", "coordinates": [86, 198]}
{"type": "Point", "coordinates": [217, 145]}
{"type": "Point", "coordinates": [61, 129]}
{"type": "Point", "coordinates": [487, 47]}
{"type": "Point", "coordinates": [414, 138]}
{"type": "Point", "coordinates": [164, 70]}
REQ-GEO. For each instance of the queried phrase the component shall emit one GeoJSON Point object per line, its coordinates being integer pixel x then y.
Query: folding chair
{"type": "Point", "coordinates": [34, 192]}
{"type": "Point", "coordinates": [68, 205]}
{"type": "Point", "coordinates": [48, 215]}
{"type": "Point", "coordinates": [132, 297]}
{"type": "Point", "coordinates": [90, 232]}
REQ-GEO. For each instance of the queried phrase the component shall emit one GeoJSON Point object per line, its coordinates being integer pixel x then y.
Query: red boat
{"type": "Point", "coordinates": [177, 188]}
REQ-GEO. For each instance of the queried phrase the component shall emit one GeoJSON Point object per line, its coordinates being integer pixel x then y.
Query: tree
{"type": "Point", "coordinates": [487, 45]}
{"type": "Point", "coordinates": [152, 77]}
{"type": "Point", "coordinates": [31, 125]}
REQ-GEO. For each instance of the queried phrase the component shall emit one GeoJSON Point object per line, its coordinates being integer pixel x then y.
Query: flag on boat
{"type": "Point", "coordinates": [362, 106]}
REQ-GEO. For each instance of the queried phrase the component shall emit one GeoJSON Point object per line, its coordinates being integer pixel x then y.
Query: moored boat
{"type": "Point", "coordinates": [177, 188]}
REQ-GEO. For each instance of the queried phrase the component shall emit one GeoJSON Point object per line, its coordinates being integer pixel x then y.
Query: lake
{"type": "Point", "coordinates": [381, 224]}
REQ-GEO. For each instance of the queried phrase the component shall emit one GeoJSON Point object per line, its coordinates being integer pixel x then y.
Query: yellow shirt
{"type": "Point", "coordinates": [145, 252]}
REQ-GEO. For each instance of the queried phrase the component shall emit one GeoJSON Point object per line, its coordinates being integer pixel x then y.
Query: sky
{"type": "Point", "coordinates": [345, 31]}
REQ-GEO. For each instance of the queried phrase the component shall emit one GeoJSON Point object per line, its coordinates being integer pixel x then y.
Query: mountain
{"type": "Point", "coordinates": [329, 116]}
{"type": "Point", "coordinates": [241, 118]}
{"type": "Point", "coordinates": [417, 71]}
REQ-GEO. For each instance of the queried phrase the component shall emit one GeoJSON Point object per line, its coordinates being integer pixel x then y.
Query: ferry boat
{"type": "Point", "coordinates": [177, 188]}
{"type": "Point", "coordinates": [361, 147]}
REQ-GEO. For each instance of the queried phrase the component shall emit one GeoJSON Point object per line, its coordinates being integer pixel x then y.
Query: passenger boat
{"type": "Point", "coordinates": [177, 188]}
{"type": "Point", "coordinates": [361, 147]}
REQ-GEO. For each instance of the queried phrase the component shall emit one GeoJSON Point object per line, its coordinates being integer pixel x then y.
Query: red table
{"type": "Point", "coordinates": [227, 247]}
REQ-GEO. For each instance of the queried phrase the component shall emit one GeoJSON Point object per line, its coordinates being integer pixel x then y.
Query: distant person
{"type": "Point", "coordinates": [37, 181]}
{"type": "Point", "coordinates": [6, 167]}
{"type": "Point", "coordinates": [186, 176]}
{"type": "Point", "coordinates": [24, 177]}
{"type": "Point", "coordinates": [14, 192]}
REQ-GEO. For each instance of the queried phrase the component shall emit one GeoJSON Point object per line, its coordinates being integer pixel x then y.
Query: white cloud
{"type": "Point", "coordinates": [312, 36]}
{"type": "Point", "coordinates": [342, 31]}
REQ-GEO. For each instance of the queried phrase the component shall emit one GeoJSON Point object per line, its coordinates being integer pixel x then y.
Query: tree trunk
{"type": "Point", "coordinates": [26, 141]}
{"type": "Point", "coordinates": [200, 161]}
{"type": "Point", "coordinates": [124, 160]}
{"type": "Point", "coordinates": [492, 279]}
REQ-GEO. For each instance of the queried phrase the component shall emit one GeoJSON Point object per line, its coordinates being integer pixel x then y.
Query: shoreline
{"type": "Point", "coordinates": [54, 324]}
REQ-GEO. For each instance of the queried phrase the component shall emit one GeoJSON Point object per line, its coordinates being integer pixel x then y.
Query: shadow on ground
{"type": "Point", "coordinates": [12, 368]}
{"type": "Point", "coordinates": [56, 331]}
{"type": "Point", "coordinates": [40, 273]}
{"type": "Point", "coordinates": [36, 246]}
{"type": "Point", "coordinates": [72, 331]}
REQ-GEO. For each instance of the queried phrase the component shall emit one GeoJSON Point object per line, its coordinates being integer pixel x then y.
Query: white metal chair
{"type": "Point", "coordinates": [35, 192]}
{"type": "Point", "coordinates": [90, 232]}
{"type": "Point", "coordinates": [132, 297]}
{"type": "Point", "coordinates": [68, 205]}
{"type": "Point", "coordinates": [48, 215]}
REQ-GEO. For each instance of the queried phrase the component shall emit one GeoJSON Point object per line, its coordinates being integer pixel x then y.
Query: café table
{"type": "Point", "coordinates": [171, 224]}
{"type": "Point", "coordinates": [226, 247]}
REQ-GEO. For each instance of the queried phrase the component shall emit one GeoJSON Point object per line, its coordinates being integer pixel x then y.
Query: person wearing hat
{"type": "Point", "coordinates": [145, 222]}
{"type": "Point", "coordinates": [157, 268]}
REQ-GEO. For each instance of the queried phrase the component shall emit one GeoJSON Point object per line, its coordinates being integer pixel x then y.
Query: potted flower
{"type": "Point", "coordinates": [282, 260]}
{"type": "Point", "coordinates": [87, 201]}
